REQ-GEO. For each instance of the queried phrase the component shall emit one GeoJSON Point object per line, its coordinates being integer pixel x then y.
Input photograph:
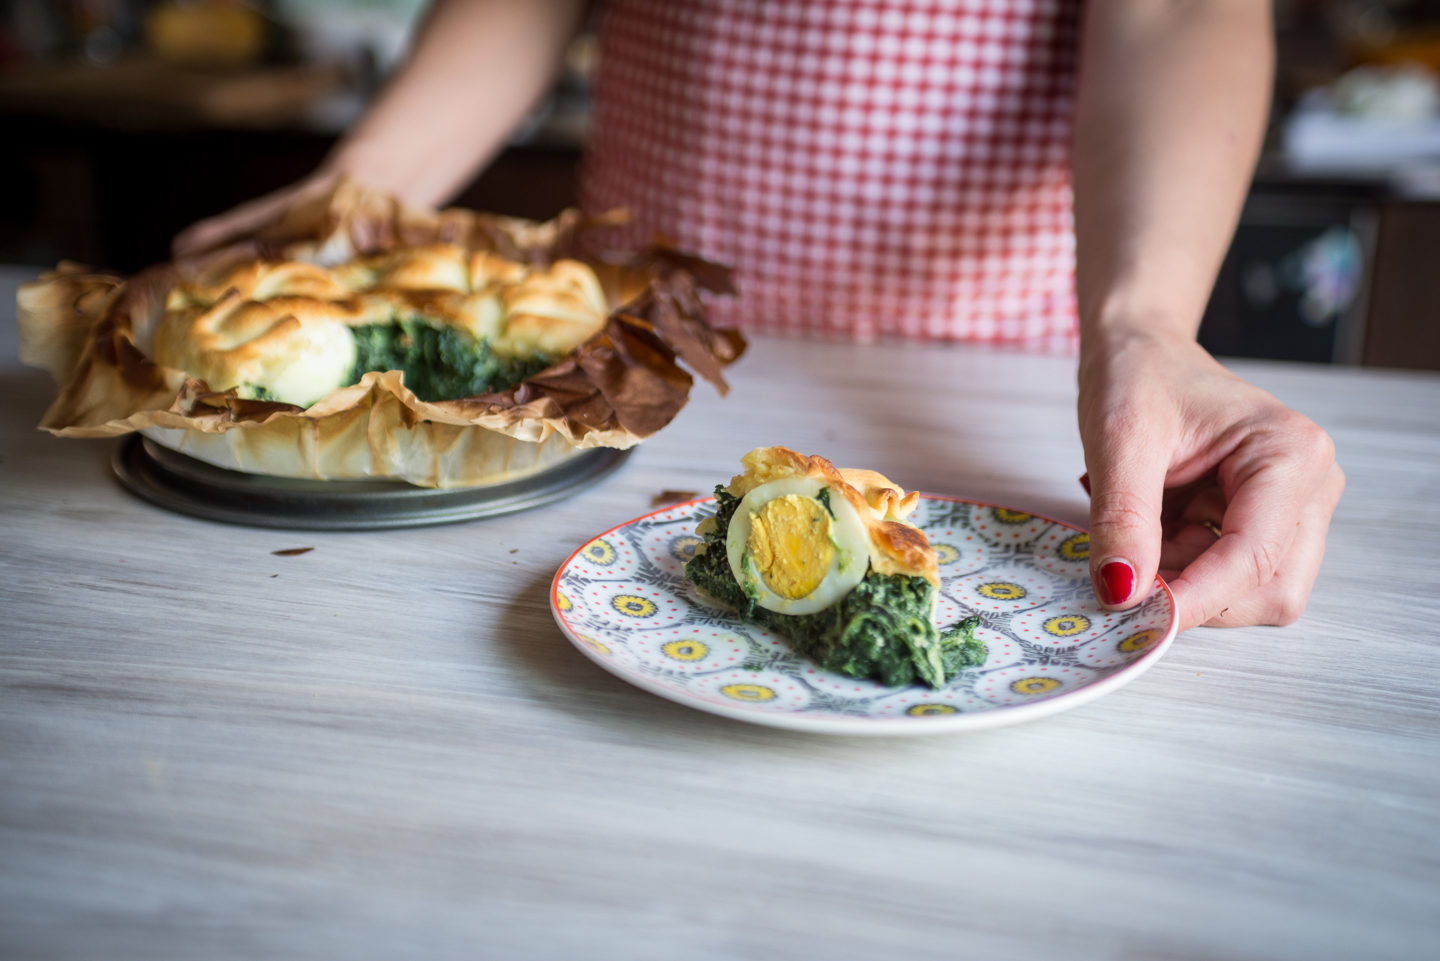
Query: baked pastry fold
{"type": "Point", "coordinates": [615, 331]}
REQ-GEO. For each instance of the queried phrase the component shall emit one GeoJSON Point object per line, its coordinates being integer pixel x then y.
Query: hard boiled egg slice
{"type": "Point", "coordinates": [796, 546]}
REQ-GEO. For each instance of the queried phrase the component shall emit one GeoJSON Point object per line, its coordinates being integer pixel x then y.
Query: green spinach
{"type": "Point", "coordinates": [257, 392]}
{"type": "Point", "coordinates": [439, 362]}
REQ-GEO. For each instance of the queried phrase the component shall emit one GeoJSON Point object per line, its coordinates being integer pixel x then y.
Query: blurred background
{"type": "Point", "coordinates": [125, 120]}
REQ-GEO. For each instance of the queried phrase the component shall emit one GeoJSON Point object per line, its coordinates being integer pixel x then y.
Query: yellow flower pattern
{"type": "Point", "coordinates": [689, 650]}
{"type": "Point", "coordinates": [683, 547]}
{"type": "Point", "coordinates": [930, 710]}
{"type": "Point", "coordinates": [1067, 625]}
{"type": "Point", "coordinates": [753, 693]}
{"type": "Point", "coordinates": [563, 602]}
{"type": "Point", "coordinates": [599, 552]}
{"type": "Point", "coordinates": [1002, 591]}
{"type": "Point", "coordinates": [1034, 685]}
{"type": "Point", "coordinates": [1006, 516]}
{"type": "Point", "coordinates": [633, 605]}
{"type": "Point", "coordinates": [1076, 548]}
{"type": "Point", "coordinates": [946, 553]}
{"type": "Point", "coordinates": [593, 644]}
{"type": "Point", "coordinates": [1138, 641]}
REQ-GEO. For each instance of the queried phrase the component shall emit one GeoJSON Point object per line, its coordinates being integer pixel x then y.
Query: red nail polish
{"type": "Point", "coordinates": [1117, 582]}
{"type": "Point", "coordinates": [1085, 482]}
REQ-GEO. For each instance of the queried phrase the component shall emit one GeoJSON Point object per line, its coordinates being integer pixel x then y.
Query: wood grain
{"type": "Point", "coordinates": [383, 747]}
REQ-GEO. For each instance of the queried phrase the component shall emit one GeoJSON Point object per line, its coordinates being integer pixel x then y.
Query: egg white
{"type": "Point", "coordinates": [316, 361]}
{"type": "Point", "coordinates": [847, 535]}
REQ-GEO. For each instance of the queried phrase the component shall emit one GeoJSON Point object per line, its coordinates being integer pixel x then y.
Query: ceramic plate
{"type": "Point", "coordinates": [623, 600]}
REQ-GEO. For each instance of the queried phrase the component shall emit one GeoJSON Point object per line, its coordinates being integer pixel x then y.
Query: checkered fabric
{"type": "Point", "coordinates": [872, 168]}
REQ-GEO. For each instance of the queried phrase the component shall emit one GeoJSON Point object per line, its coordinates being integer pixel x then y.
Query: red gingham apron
{"type": "Point", "coordinates": [871, 168]}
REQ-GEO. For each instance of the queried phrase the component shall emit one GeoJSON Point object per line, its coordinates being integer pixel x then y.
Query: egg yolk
{"type": "Point", "coordinates": [790, 544]}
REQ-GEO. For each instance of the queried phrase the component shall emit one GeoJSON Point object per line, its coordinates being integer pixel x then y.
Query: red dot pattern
{"type": "Point", "coordinates": [1013, 674]}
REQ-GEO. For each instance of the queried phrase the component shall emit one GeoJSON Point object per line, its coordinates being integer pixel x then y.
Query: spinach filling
{"type": "Point", "coordinates": [880, 630]}
{"type": "Point", "coordinates": [439, 362]}
{"type": "Point", "coordinates": [258, 392]}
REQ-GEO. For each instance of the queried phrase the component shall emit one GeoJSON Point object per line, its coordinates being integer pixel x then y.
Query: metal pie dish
{"type": "Point", "coordinates": [189, 486]}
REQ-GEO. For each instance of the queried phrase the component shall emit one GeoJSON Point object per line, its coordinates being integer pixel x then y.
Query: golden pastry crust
{"type": "Point", "coordinates": [884, 496]}
{"type": "Point", "coordinates": [284, 326]}
{"type": "Point", "coordinates": [339, 260]}
{"type": "Point", "coordinates": [895, 546]}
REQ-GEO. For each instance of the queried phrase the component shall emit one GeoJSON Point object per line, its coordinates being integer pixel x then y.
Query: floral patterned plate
{"type": "Point", "coordinates": [623, 600]}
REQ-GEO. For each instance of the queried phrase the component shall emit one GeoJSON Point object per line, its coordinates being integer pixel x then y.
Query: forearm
{"type": "Point", "coordinates": [1170, 114]}
{"type": "Point", "coordinates": [476, 68]}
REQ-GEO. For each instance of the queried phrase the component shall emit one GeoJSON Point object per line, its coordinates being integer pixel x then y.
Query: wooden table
{"type": "Point", "coordinates": [384, 747]}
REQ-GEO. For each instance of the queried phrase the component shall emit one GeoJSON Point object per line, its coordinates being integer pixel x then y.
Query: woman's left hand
{"type": "Point", "coordinates": [1203, 478]}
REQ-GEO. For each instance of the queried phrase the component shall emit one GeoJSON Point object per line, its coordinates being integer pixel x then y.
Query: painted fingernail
{"type": "Point", "coordinates": [1085, 482]}
{"type": "Point", "coordinates": [1117, 582]}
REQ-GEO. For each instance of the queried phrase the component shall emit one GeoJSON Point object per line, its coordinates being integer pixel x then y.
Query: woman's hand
{"type": "Point", "coordinates": [1209, 481]}
{"type": "Point", "coordinates": [1171, 111]}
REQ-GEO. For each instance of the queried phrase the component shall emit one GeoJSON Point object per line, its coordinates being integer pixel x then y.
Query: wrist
{"type": "Point", "coordinates": [1122, 344]}
{"type": "Point", "coordinates": [1160, 296]}
{"type": "Point", "coordinates": [1105, 340]}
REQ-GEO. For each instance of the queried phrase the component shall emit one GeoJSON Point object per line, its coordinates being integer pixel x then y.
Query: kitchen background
{"type": "Point", "coordinates": [125, 120]}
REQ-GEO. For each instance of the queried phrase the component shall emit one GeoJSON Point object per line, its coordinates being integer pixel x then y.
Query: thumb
{"type": "Point", "coordinates": [1127, 487]}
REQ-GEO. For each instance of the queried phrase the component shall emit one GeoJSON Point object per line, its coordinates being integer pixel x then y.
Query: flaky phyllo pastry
{"type": "Point", "coordinates": [356, 338]}
{"type": "Point", "coordinates": [827, 558]}
{"type": "Point", "coordinates": [457, 322]}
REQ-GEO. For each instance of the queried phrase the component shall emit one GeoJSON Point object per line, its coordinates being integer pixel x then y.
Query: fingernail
{"type": "Point", "coordinates": [1085, 482]}
{"type": "Point", "coordinates": [1117, 582]}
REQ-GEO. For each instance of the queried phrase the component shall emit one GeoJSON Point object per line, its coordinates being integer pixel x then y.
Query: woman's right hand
{"type": "Point", "coordinates": [242, 222]}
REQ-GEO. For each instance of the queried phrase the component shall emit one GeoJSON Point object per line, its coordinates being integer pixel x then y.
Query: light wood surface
{"type": "Point", "coordinates": [385, 748]}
